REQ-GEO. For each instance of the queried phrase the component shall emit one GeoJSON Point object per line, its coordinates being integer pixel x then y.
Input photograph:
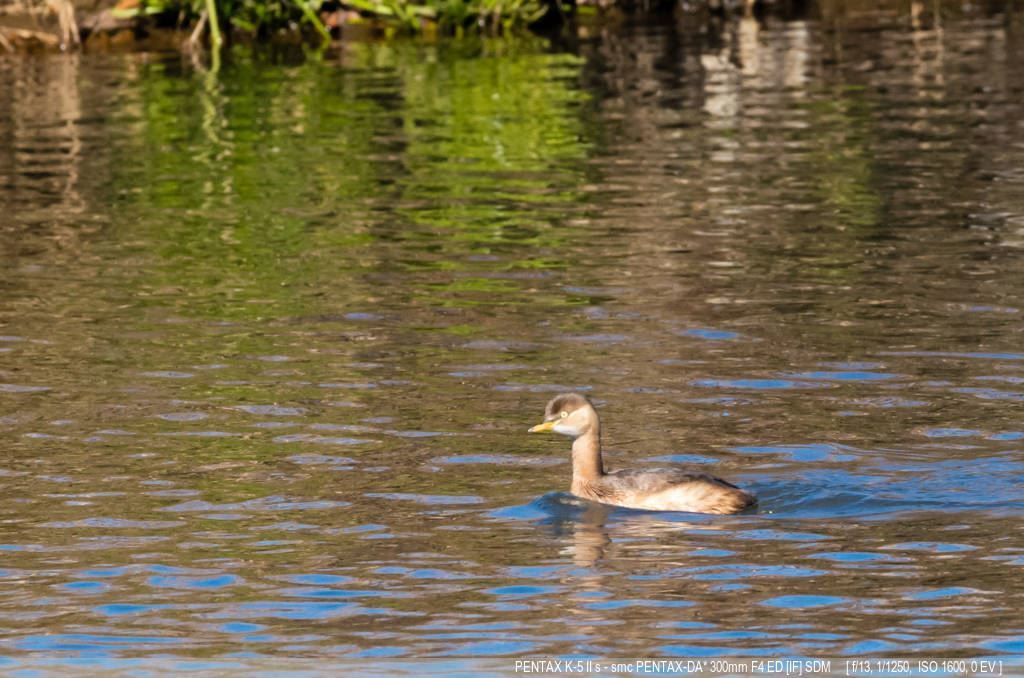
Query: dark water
{"type": "Point", "coordinates": [272, 338]}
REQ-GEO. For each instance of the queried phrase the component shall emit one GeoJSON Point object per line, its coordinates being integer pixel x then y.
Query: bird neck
{"type": "Point", "coordinates": [586, 456]}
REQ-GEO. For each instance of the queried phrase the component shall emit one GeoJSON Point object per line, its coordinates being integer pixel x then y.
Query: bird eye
{"type": "Point", "coordinates": [564, 415]}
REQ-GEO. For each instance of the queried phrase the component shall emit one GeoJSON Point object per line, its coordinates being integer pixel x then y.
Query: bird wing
{"type": "Point", "coordinates": [650, 481]}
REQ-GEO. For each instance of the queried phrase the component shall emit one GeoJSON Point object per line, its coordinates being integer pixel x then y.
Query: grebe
{"type": "Point", "coordinates": [656, 489]}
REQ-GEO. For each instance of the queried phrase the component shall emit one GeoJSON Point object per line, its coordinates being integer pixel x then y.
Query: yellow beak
{"type": "Point", "coordinates": [543, 428]}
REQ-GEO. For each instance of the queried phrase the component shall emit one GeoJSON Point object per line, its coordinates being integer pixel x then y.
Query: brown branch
{"type": "Point", "coordinates": [193, 40]}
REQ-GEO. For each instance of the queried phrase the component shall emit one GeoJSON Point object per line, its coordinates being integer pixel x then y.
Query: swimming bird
{"type": "Point", "coordinates": [656, 489]}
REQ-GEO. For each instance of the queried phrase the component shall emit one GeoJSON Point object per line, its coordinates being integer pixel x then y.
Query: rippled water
{"type": "Point", "coordinates": [272, 338]}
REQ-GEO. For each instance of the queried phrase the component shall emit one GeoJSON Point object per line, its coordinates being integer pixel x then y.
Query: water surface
{"type": "Point", "coordinates": [272, 338]}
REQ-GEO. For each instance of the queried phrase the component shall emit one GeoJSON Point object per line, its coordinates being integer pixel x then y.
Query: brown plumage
{"type": "Point", "coordinates": [658, 489]}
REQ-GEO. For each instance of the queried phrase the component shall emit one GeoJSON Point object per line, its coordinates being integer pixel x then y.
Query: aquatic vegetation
{"type": "Point", "coordinates": [262, 17]}
{"type": "Point", "coordinates": [255, 17]}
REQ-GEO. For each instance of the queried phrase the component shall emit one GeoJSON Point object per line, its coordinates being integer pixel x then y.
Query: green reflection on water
{"type": "Point", "coordinates": [843, 160]}
{"type": "Point", "coordinates": [239, 188]}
